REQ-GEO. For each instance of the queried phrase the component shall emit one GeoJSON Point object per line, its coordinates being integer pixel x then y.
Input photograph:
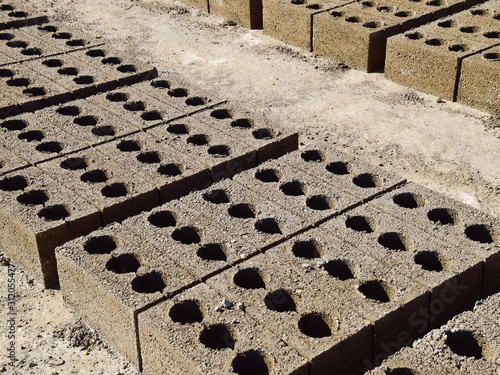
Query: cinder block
{"type": "Point", "coordinates": [11, 16]}
{"type": "Point", "coordinates": [37, 215]}
{"type": "Point", "coordinates": [247, 13]}
{"type": "Point", "coordinates": [185, 335]}
{"type": "Point", "coordinates": [292, 21]}
{"type": "Point", "coordinates": [466, 345]}
{"type": "Point", "coordinates": [489, 308]}
{"type": "Point", "coordinates": [201, 4]}
{"type": "Point", "coordinates": [319, 326]}
{"type": "Point", "coordinates": [10, 162]}
{"type": "Point", "coordinates": [190, 238]}
{"type": "Point", "coordinates": [110, 275]}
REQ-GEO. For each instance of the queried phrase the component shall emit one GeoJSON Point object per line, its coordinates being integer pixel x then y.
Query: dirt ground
{"type": "Point", "coordinates": [446, 146]}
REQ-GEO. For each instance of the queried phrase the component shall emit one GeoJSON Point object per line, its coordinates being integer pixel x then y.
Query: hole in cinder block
{"type": "Point", "coordinates": [6, 73]}
{"type": "Point", "coordinates": [103, 131]}
{"type": "Point", "coordinates": [111, 60]}
{"type": "Point", "coordinates": [429, 261]}
{"type": "Point", "coordinates": [19, 82]}
{"type": "Point", "coordinates": [435, 3]}
{"type": "Point", "coordinates": [297, 2]}
{"type": "Point", "coordinates": [341, 269]}
{"type": "Point", "coordinates": [447, 24]}
{"type": "Point", "coordinates": [61, 35]}
{"type": "Point", "coordinates": [216, 196]}
{"type": "Point", "coordinates": [128, 68]}
{"type": "Point", "coordinates": [294, 188]}
{"type": "Point", "coordinates": [6, 36]}
{"type": "Point", "coordinates": [268, 226]}
{"type": "Point", "coordinates": [74, 164]}
{"type": "Point", "coordinates": [250, 278]}
{"type": "Point", "coordinates": [353, 19]}
{"type": "Point", "coordinates": [404, 13]}
{"type": "Point", "coordinates": [414, 36]}
{"type": "Point", "coordinates": [170, 170]}
{"type": "Point", "coordinates": [163, 219]}
{"type": "Point", "coordinates": [54, 213]}
{"type": "Point", "coordinates": [85, 121]}
{"type": "Point", "coordinates": [393, 241]}
{"type": "Point", "coordinates": [70, 110]}
{"type": "Point", "coordinates": [479, 12]}
{"type": "Point", "coordinates": [94, 176]}
{"type": "Point", "coordinates": [492, 35]}
{"type": "Point", "coordinates": [186, 235]}
{"type": "Point", "coordinates": [309, 249]}
{"type": "Point", "coordinates": [75, 43]}
{"type": "Point", "coordinates": [160, 84]}
{"type": "Point", "coordinates": [186, 312]}
{"type": "Point", "coordinates": [320, 203]}
{"type": "Point", "coordinates": [280, 300]}
{"type": "Point", "coordinates": [268, 175]}
{"type": "Point", "coordinates": [198, 140]}
{"type": "Point", "coordinates": [373, 25]}
{"type": "Point", "coordinates": [242, 123]}
{"type": "Point", "coordinates": [31, 136]}
{"type": "Point", "coordinates": [385, 9]}
{"type": "Point", "coordinates": [31, 52]}
{"type": "Point", "coordinates": [491, 56]}
{"type": "Point", "coordinates": [100, 245]}
{"type": "Point", "coordinates": [151, 282]}
{"type": "Point", "coordinates": [13, 183]}
{"type": "Point", "coordinates": [470, 29]}
{"type": "Point", "coordinates": [218, 337]}
{"type": "Point", "coordinates": [443, 216]}
{"type": "Point", "coordinates": [221, 114]}
{"type": "Point", "coordinates": [33, 198]}
{"type": "Point", "coordinates": [6, 7]}
{"type": "Point", "coordinates": [114, 190]}
{"type": "Point", "coordinates": [337, 14]}
{"type": "Point", "coordinates": [128, 146]}
{"type": "Point", "coordinates": [117, 97]}
{"type": "Point", "coordinates": [135, 106]}
{"type": "Point", "coordinates": [220, 151]}
{"type": "Point", "coordinates": [241, 211]}
{"type": "Point", "coordinates": [314, 325]}
{"type": "Point", "coordinates": [459, 48]}
{"type": "Point", "coordinates": [360, 224]}
{"type": "Point", "coordinates": [178, 129]}
{"type": "Point", "coordinates": [252, 362]}
{"type": "Point", "coordinates": [53, 63]}
{"type": "Point", "coordinates": [96, 53]}
{"type": "Point", "coordinates": [178, 93]}
{"type": "Point", "coordinates": [151, 116]}
{"type": "Point", "coordinates": [196, 101]}
{"type": "Point", "coordinates": [368, 4]}
{"type": "Point", "coordinates": [480, 233]}
{"type": "Point", "coordinates": [339, 168]}
{"type": "Point", "coordinates": [14, 125]}
{"type": "Point", "coordinates": [69, 71]}
{"type": "Point", "coordinates": [150, 157]}
{"type": "Point", "coordinates": [314, 156]}
{"type": "Point", "coordinates": [409, 200]}
{"type": "Point", "coordinates": [366, 180]}
{"type": "Point", "coordinates": [48, 28]}
{"type": "Point", "coordinates": [377, 290]}
{"type": "Point", "coordinates": [466, 343]}
{"type": "Point", "coordinates": [84, 80]}
{"type": "Point", "coordinates": [124, 263]}
{"type": "Point", "coordinates": [35, 92]}
{"type": "Point", "coordinates": [434, 42]}
{"type": "Point", "coordinates": [49, 147]}
{"type": "Point", "coordinates": [212, 251]}
{"type": "Point", "coordinates": [263, 134]}
{"type": "Point", "coordinates": [401, 371]}
{"type": "Point", "coordinates": [16, 44]}
{"type": "Point", "coordinates": [314, 6]}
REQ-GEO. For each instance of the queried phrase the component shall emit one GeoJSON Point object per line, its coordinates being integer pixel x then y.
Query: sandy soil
{"type": "Point", "coordinates": [446, 146]}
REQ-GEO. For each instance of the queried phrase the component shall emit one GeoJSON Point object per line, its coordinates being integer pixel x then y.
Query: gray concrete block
{"type": "Point", "coordinates": [10, 162]}
{"type": "Point", "coordinates": [110, 275]}
{"type": "Point", "coordinates": [186, 335]}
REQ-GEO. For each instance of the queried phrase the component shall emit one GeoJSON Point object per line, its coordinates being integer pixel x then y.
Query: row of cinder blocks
{"type": "Point", "coordinates": [12, 15]}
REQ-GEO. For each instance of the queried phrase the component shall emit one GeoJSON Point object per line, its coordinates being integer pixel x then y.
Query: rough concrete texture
{"type": "Point", "coordinates": [10, 162]}
{"type": "Point", "coordinates": [475, 87]}
{"type": "Point", "coordinates": [110, 275]}
{"type": "Point", "coordinates": [292, 21]}
{"type": "Point", "coordinates": [318, 325]}
{"type": "Point", "coordinates": [37, 215]}
{"type": "Point", "coordinates": [191, 334]}
{"type": "Point", "coordinates": [247, 13]}
{"type": "Point", "coordinates": [489, 308]}
{"type": "Point", "coordinates": [12, 15]}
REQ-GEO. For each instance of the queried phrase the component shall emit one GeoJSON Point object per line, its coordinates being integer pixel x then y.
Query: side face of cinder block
{"type": "Point", "coordinates": [247, 13]}
{"type": "Point", "coordinates": [192, 334]}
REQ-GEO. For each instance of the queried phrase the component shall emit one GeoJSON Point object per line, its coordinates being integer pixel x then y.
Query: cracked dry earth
{"type": "Point", "coordinates": [446, 146]}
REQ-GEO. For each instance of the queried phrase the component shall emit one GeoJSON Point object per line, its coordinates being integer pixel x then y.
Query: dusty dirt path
{"type": "Point", "coordinates": [446, 146]}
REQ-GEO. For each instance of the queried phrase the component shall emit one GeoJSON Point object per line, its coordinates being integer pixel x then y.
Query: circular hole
{"type": "Point", "coordinates": [68, 110]}
{"type": "Point", "coordinates": [320, 203]}
{"type": "Point", "coordinates": [402, 371]}
{"type": "Point", "coordinates": [312, 156]}
{"type": "Point", "coordinates": [35, 92]}
{"type": "Point", "coordinates": [54, 213]}
{"type": "Point", "coordinates": [409, 200]}
{"type": "Point", "coordinates": [353, 19]}
{"type": "Point", "coordinates": [13, 183]}
{"type": "Point", "coordinates": [219, 151]}
{"type": "Point", "coordinates": [338, 168]}
{"type": "Point", "coordinates": [115, 190]}
{"type": "Point", "coordinates": [186, 235]}
{"type": "Point", "coordinates": [263, 134]}
{"type": "Point", "coordinates": [309, 249]}
{"type": "Point", "coordinates": [366, 180]}
{"type": "Point", "coordinates": [70, 71]}
{"type": "Point", "coordinates": [18, 82]}
{"type": "Point", "coordinates": [163, 219]}
{"type": "Point", "coordinates": [435, 3]}
{"type": "Point", "coordinates": [250, 278]}
{"type": "Point", "coordinates": [241, 211]}
{"type": "Point", "coordinates": [96, 53]}
{"type": "Point", "coordinates": [33, 198]}
{"type": "Point", "coordinates": [377, 290]}
{"type": "Point", "coordinates": [294, 188]}
{"type": "Point", "coordinates": [61, 36]}
{"type": "Point", "coordinates": [447, 23]}
{"type": "Point", "coordinates": [198, 140]}
{"type": "Point", "coordinates": [94, 176]}
{"type": "Point", "coordinates": [179, 129]}
{"type": "Point", "coordinates": [53, 63]}
{"type": "Point", "coordinates": [75, 43]}
{"type": "Point", "coordinates": [443, 216]}
{"type": "Point", "coordinates": [6, 36]}
{"type": "Point", "coordinates": [49, 147]}
{"type": "Point", "coordinates": [267, 175]}
{"type": "Point", "coordinates": [393, 241]}
{"type": "Point", "coordinates": [492, 35]}
{"type": "Point", "coordinates": [212, 252]}
{"type": "Point", "coordinates": [337, 14]}
{"type": "Point", "coordinates": [368, 4]}
{"type": "Point", "coordinates": [360, 224]}
{"type": "Point", "coordinates": [124, 263]}
{"type": "Point", "coordinates": [160, 84]}
{"type": "Point", "coordinates": [480, 233]}
{"type": "Point", "coordinates": [196, 101]}
{"type": "Point", "coordinates": [74, 164]}
{"type": "Point", "coordinates": [6, 73]}
{"type": "Point", "coordinates": [403, 14]}
{"type": "Point", "coordinates": [429, 261]}
{"type": "Point", "coordinates": [14, 125]}
{"type": "Point", "coordinates": [479, 12]}
{"type": "Point", "coordinates": [341, 269]}
{"type": "Point", "coordinates": [221, 114]}
{"type": "Point", "coordinates": [103, 131]}
{"type": "Point", "coordinates": [84, 80]}
{"type": "Point", "coordinates": [6, 7]}
{"type": "Point", "coordinates": [135, 106]}
{"type": "Point", "coordinates": [314, 6]}
{"type": "Point", "coordinates": [297, 2]}
{"type": "Point", "coordinates": [280, 301]}
{"type": "Point", "coordinates": [372, 25]}
{"type": "Point", "coordinates": [470, 29]}
{"type": "Point", "coordinates": [464, 343]}
{"type": "Point", "coordinates": [31, 136]}
{"type": "Point", "coordinates": [434, 42]}
{"type": "Point", "coordinates": [170, 170]}
{"type": "Point", "coordinates": [268, 226]}
{"type": "Point", "coordinates": [111, 61]}
{"type": "Point", "coordinates": [314, 325]}
{"type": "Point", "coordinates": [217, 196]}
{"type": "Point", "coordinates": [186, 312]}
{"type": "Point", "coordinates": [86, 120]}
{"type": "Point", "coordinates": [31, 52]}
{"type": "Point", "coordinates": [178, 93]}
{"type": "Point", "coordinates": [218, 337]}
{"type": "Point", "coordinates": [16, 44]}
{"type": "Point", "coordinates": [128, 146]}
{"type": "Point", "coordinates": [414, 36]}
{"type": "Point", "coordinates": [151, 116]}
{"type": "Point", "coordinates": [150, 157]}
{"type": "Point", "coordinates": [491, 56]}
{"type": "Point", "coordinates": [252, 362]}
{"type": "Point", "coordinates": [18, 14]}
{"type": "Point", "coordinates": [242, 123]}
{"type": "Point", "coordinates": [117, 97]}
{"type": "Point", "coordinates": [127, 68]}
{"type": "Point", "coordinates": [48, 28]}
{"type": "Point", "coordinates": [151, 282]}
